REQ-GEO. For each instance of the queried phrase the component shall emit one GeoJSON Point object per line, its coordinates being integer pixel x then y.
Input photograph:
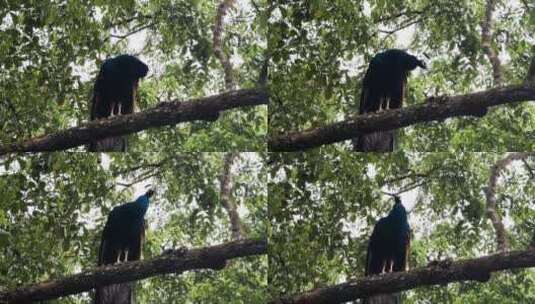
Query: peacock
{"type": "Point", "coordinates": [383, 88]}
{"type": "Point", "coordinates": [388, 248]}
{"type": "Point", "coordinates": [122, 241]}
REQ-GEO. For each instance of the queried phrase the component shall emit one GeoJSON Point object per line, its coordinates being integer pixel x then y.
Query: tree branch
{"type": "Point", "coordinates": [169, 113]}
{"type": "Point", "coordinates": [478, 269]}
{"type": "Point", "coordinates": [137, 16]}
{"type": "Point", "coordinates": [528, 167]}
{"type": "Point", "coordinates": [411, 175]}
{"type": "Point", "coordinates": [141, 166]}
{"type": "Point", "coordinates": [138, 180]}
{"type": "Point", "coordinates": [227, 199]}
{"type": "Point", "coordinates": [132, 32]}
{"type": "Point", "coordinates": [436, 108]}
{"type": "Point", "coordinates": [490, 194]}
{"type": "Point", "coordinates": [178, 261]}
{"type": "Point", "coordinates": [405, 13]}
{"type": "Point", "coordinates": [486, 42]}
{"type": "Point", "coordinates": [217, 42]}
{"type": "Point", "coordinates": [401, 27]}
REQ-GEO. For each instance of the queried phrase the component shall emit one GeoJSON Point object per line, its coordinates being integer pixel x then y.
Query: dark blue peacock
{"type": "Point", "coordinates": [122, 241]}
{"type": "Point", "coordinates": [388, 248]}
{"type": "Point", "coordinates": [383, 88]}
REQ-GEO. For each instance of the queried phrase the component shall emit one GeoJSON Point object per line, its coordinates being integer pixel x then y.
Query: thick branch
{"type": "Point", "coordinates": [440, 273]}
{"type": "Point", "coordinates": [213, 257]}
{"type": "Point", "coordinates": [486, 42]}
{"type": "Point", "coordinates": [217, 42]}
{"type": "Point", "coordinates": [437, 108]}
{"type": "Point", "coordinates": [227, 199]}
{"type": "Point", "coordinates": [490, 193]}
{"type": "Point", "coordinates": [169, 113]}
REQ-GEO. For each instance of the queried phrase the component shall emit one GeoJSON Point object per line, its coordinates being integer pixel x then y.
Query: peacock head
{"type": "Point", "coordinates": [150, 193]}
{"type": "Point", "coordinates": [398, 210]}
{"type": "Point", "coordinates": [402, 60]}
{"type": "Point", "coordinates": [411, 62]}
{"type": "Point", "coordinates": [131, 65]}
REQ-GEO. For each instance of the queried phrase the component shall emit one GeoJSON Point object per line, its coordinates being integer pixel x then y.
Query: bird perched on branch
{"type": "Point", "coordinates": [114, 94]}
{"type": "Point", "coordinates": [122, 241]}
{"type": "Point", "coordinates": [388, 247]}
{"type": "Point", "coordinates": [383, 88]}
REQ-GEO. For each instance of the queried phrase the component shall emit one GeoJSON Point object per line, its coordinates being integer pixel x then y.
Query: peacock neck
{"type": "Point", "coordinates": [398, 215]}
{"type": "Point", "coordinates": [143, 202]}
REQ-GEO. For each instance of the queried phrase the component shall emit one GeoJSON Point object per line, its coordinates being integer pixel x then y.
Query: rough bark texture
{"type": "Point", "coordinates": [213, 257]}
{"type": "Point", "coordinates": [490, 193]}
{"type": "Point", "coordinates": [436, 108]}
{"type": "Point", "coordinates": [486, 42]}
{"type": "Point", "coordinates": [217, 43]}
{"type": "Point", "coordinates": [439, 273]}
{"type": "Point", "coordinates": [169, 113]}
{"type": "Point", "coordinates": [227, 199]}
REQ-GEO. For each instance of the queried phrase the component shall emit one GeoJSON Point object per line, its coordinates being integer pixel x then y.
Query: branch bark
{"type": "Point", "coordinates": [217, 42]}
{"type": "Point", "coordinates": [478, 269]}
{"type": "Point", "coordinates": [213, 257]}
{"type": "Point", "coordinates": [486, 42]}
{"type": "Point", "coordinates": [436, 108]}
{"type": "Point", "coordinates": [227, 199]}
{"type": "Point", "coordinates": [490, 194]}
{"type": "Point", "coordinates": [169, 113]}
